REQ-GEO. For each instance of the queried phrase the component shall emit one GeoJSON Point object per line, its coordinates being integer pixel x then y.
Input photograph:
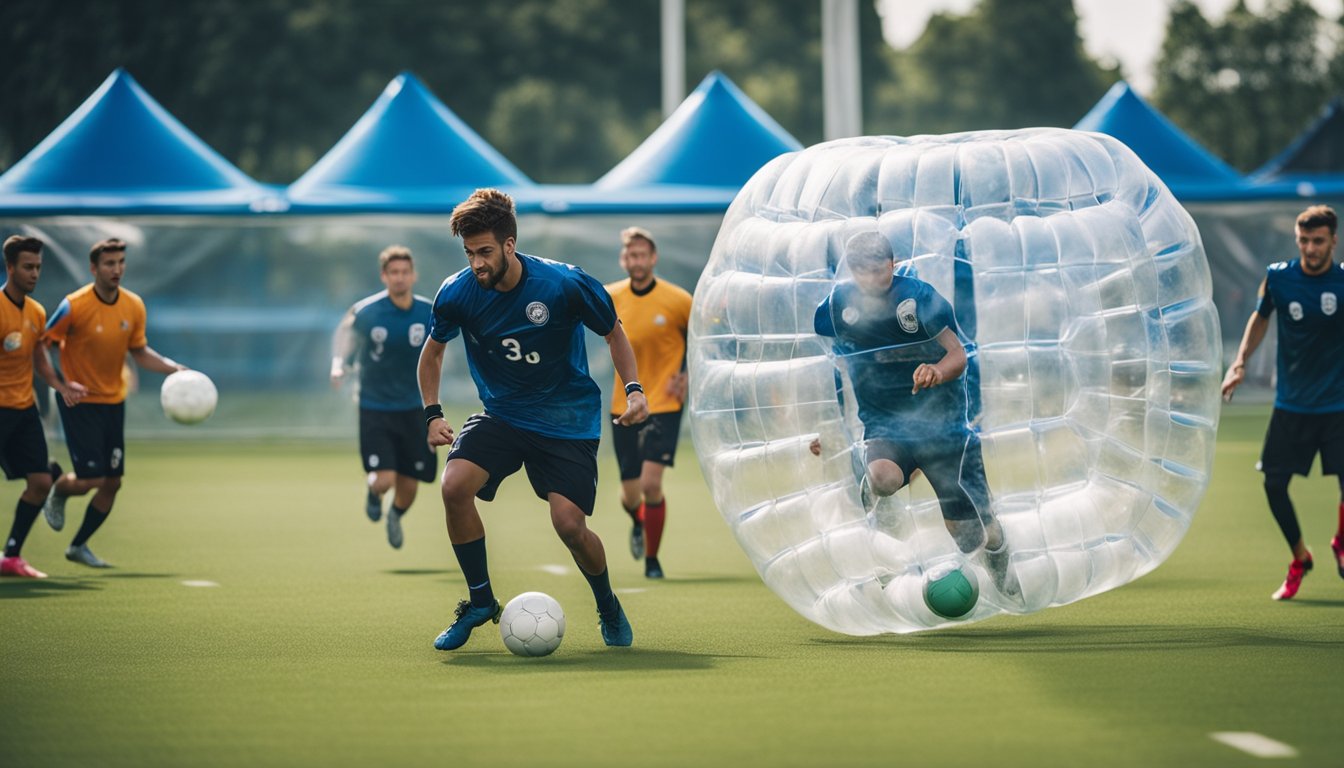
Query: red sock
{"type": "Point", "coordinates": [654, 517]}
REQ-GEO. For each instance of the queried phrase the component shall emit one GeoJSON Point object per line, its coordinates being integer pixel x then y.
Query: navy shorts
{"type": "Point", "coordinates": [396, 440]}
{"type": "Point", "coordinates": [23, 444]}
{"type": "Point", "coordinates": [654, 440]}
{"type": "Point", "coordinates": [1293, 440]}
{"type": "Point", "coordinates": [95, 433]}
{"type": "Point", "coordinates": [566, 467]}
{"type": "Point", "coordinates": [954, 467]}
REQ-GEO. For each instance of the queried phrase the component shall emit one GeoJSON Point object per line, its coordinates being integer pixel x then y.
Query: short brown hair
{"type": "Point", "coordinates": [16, 244]}
{"type": "Point", "coordinates": [103, 246]}
{"type": "Point", "coordinates": [1318, 216]}
{"type": "Point", "coordinates": [630, 234]}
{"type": "Point", "coordinates": [487, 210]}
{"type": "Point", "coordinates": [394, 253]}
{"type": "Point", "coordinates": [870, 247]}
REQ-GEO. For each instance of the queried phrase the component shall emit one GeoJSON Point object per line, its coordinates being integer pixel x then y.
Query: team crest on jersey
{"type": "Point", "coordinates": [417, 334]}
{"type": "Point", "coordinates": [13, 341]}
{"type": "Point", "coordinates": [537, 313]}
{"type": "Point", "coordinates": [1295, 310]}
{"type": "Point", "coordinates": [906, 315]}
{"type": "Point", "coordinates": [1329, 303]}
{"type": "Point", "coordinates": [659, 320]}
{"type": "Point", "coordinates": [849, 315]}
{"type": "Point", "coordinates": [378, 334]}
{"type": "Point", "coordinates": [125, 325]}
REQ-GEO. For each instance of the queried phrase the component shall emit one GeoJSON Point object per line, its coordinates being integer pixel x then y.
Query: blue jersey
{"type": "Point", "coordinates": [388, 341]}
{"type": "Point", "coordinates": [525, 346]}
{"type": "Point", "coordinates": [1311, 336]}
{"type": "Point", "coordinates": [881, 340]}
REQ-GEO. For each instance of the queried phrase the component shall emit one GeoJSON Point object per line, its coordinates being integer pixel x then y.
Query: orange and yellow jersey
{"type": "Point", "coordinates": [21, 328]}
{"type": "Point", "coordinates": [95, 337]}
{"type": "Point", "coordinates": [655, 321]}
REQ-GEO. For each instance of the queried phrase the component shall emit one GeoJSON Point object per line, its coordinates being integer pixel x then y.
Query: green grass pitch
{"type": "Point", "coordinates": [315, 647]}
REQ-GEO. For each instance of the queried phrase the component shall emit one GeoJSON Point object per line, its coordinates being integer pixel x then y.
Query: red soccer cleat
{"type": "Point", "coordinates": [1337, 545]}
{"type": "Point", "coordinates": [1296, 571]}
{"type": "Point", "coordinates": [15, 566]}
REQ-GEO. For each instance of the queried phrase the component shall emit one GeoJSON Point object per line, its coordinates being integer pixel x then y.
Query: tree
{"type": "Point", "coordinates": [1248, 85]}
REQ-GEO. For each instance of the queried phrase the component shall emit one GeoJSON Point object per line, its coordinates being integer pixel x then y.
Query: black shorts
{"type": "Point", "coordinates": [23, 444]}
{"type": "Point", "coordinates": [954, 467]}
{"type": "Point", "coordinates": [566, 467]}
{"type": "Point", "coordinates": [95, 433]}
{"type": "Point", "coordinates": [1293, 440]}
{"type": "Point", "coordinates": [654, 440]}
{"type": "Point", "coordinates": [396, 440]}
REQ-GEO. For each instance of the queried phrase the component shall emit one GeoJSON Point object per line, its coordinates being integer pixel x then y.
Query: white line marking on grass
{"type": "Point", "coordinates": [555, 570]}
{"type": "Point", "coordinates": [199, 583]}
{"type": "Point", "coordinates": [631, 590]}
{"type": "Point", "coordinates": [1253, 743]}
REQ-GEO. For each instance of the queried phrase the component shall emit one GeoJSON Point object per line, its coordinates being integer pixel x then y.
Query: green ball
{"type": "Point", "coordinates": [949, 592]}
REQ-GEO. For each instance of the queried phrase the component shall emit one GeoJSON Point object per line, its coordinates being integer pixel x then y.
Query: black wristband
{"type": "Point", "coordinates": [433, 412]}
{"type": "Point", "coordinates": [632, 388]}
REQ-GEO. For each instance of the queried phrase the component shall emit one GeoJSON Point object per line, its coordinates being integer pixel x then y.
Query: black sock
{"type": "Point", "coordinates": [601, 584]}
{"type": "Point", "coordinates": [92, 520]}
{"type": "Point", "coordinates": [398, 511]}
{"type": "Point", "coordinates": [633, 513]}
{"type": "Point", "coordinates": [24, 515]}
{"type": "Point", "coordinates": [1276, 490]}
{"type": "Point", "coordinates": [471, 558]}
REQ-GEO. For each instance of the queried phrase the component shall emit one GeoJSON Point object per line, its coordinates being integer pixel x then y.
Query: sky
{"type": "Point", "coordinates": [1127, 31]}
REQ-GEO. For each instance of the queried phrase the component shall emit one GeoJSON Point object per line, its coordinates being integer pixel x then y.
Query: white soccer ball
{"type": "Point", "coordinates": [188, 397]}
{"type": "Point", "coordinates": [532, 624]}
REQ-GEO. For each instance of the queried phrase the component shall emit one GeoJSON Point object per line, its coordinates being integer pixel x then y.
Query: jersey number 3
{"type": "Point", "coordinates": [514, 351]}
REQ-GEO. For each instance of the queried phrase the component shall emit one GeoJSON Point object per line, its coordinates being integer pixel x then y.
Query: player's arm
{"type": "Point", "coordinates": [952, 364]}
{"type": "Point", "coordinates": [147, 358]}
{"type": "Point", "coordinates": [623, 358]}
{"type": "Point", "coordinates": [71, 391]}
{"type": "Point", "coordinates": [429, 372]}
{"type": "Point", "coordinates": [1256, 328]}
{"type": "Point", "coordinates": [342, 348]}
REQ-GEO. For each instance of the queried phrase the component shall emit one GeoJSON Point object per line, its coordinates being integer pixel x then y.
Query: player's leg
{"type": "Point", "coordinates": [1332, 463]}
{"type": "Point", "coordinates": [887, 469]}
{"type": "Point", "coordinates": [625, 443]}
{"type": "Point", "coordinates": [377, 451]}
{"type": "Point", "coordinates": [658, 448]}
{"type": "Point", "coordinates": [564, 472]}
{"type": "Point", "coordinates": [98, 469]}
{"type": "Point", "coordinates": [23, 453]}
{"type": "Point", "coordinates": [1289, 449]}
{"type": "Point", "coordinates": [483, 455]}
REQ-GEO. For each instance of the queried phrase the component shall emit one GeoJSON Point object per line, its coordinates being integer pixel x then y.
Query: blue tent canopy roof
{"type": "Point", "coordinates": [1316, 154]}
{"type": "Point", "coordinates": [407, 153]}
{"type": "Point", "coordinates": [122, 152]}
{"type": "Point", "coordinates": [1176, 158]}
{"type": "Point", "coordinates": [718, 137]}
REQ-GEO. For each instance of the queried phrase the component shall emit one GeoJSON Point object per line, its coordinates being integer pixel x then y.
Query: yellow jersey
{"type": "Point", "coordinates": [655, 321]}
{"type": "Point", "coordinates": [95, 337]}
{"type": "Point", "coordinates": [21, 328]}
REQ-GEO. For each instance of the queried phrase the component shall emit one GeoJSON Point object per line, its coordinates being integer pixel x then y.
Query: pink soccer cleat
{"type": "Point", "coordinates": [15, 566]}
{"type": "Point", "coordinates": [1293, 582]}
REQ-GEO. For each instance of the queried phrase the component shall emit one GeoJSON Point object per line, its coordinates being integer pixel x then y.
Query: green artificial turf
{"type": "Point", "coordinates": [315, 647]}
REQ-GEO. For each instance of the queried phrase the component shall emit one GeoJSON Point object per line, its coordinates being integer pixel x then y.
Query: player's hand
{"type": "Point", "coordinates": [1235, 375]}
{"type": "Point", "coordinates": [72, 392]}
{"type": "Point", "coordinates": [815, 446]}
{"type": "Point", "coordinates": [440, 433]}
{"type": "Point", "coordinates": [926, 376]}
{"type": "Point", "coordinates": [636, 410]}
{"type": "Point", "coordinates": [676, 386]}
{"type": "Point", "coordinates": [337, 376]}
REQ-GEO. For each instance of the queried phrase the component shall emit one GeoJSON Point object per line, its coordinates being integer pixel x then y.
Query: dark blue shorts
{"type": "Point", "coordinates": [1293, 440]}
{"type": "Point", "coordinates": [566, 467]}
{"type": "Point", "coordinates": [396, 440]}
{"type": "Point", "coordinates": [23, 444]}
{"type": "Point", "coordinates": [655, 440]}
{"type": "Point", "coordinates": [953, 465]}
{"type": "Point", "coordinates": [95, 433]}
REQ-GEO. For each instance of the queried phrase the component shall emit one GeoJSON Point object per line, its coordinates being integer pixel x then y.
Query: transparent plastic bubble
{"type": "Point", "coordinates": [1075, 288]}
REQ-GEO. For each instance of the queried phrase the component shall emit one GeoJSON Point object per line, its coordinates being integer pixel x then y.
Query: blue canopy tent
{"type": "Point", "coordinates": [122, 153]}
{"type": "Point", "coordinates": [1189, 170]}
{"type": "Point", "coordinates": [695, 162]}
{"type": "Point", "coordinates": [407, 154]}
{"type": "Point", "coordinates": [1312, 165]}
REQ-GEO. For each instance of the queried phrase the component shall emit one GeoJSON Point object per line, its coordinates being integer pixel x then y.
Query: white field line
{"type": "Point", "coordinates": [199, 583]}
{"type": "Point", "coordinates": [1253, 743]}
{"type": "Point", "coordinates": [554, 570]}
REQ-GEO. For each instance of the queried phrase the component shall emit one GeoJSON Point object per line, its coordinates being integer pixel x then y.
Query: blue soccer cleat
{"type": "Point", "coordinates": [469, 617]}
{"type": "Point", "coordinates": [373, 506]}
{"type": "Point", "coordinates": [615, 628]}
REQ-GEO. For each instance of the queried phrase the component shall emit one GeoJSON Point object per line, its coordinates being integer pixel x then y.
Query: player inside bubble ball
{"type": "Point", "coordinates": [898, 341]}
